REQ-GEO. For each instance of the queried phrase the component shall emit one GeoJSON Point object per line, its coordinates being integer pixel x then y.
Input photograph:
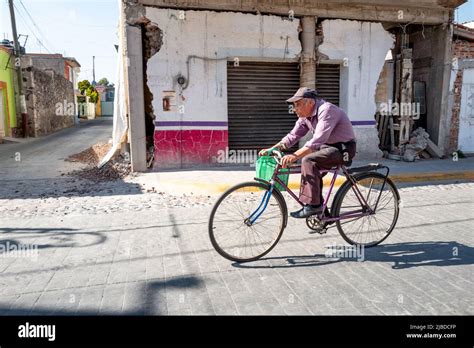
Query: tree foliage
{"type": "Point", "coordinates": [103, 82]}
{"type": "Point", "coordinates": [83, 86]}
{"type": "Point", "coordinates": [89, 90]}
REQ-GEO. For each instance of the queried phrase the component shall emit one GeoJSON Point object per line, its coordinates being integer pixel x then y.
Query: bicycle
{"type": "Point", "coordinates": [259, 216]}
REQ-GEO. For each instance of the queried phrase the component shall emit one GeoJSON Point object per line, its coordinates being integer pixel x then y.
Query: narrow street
{"type": "Point", "coordinates": [43, 158]}
{"type": "Point", "coordinates": [113, 248]}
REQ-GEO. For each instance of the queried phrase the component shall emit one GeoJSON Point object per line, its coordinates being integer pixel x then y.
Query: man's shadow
{"type": "Point", "coordinates": [401, 255]}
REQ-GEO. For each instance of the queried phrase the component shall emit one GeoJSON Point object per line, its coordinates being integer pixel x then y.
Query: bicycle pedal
{"type": "Point", "coordinates": [319, 231]}
{"type": "Point", "coordinates": [323, 231]}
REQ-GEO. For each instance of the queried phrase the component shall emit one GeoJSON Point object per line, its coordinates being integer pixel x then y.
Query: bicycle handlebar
{"type": "Point", "coordinates": [278, 154]}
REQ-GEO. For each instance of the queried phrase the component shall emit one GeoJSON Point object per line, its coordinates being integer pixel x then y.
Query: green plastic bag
{"type": "Point", "coordinates": [265, 167]}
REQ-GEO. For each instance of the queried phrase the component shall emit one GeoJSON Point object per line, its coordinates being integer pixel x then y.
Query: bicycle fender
{"type": "Point", "coordinates": [280, 196]}
{"type": "Point", "coordinates": [348, 183]}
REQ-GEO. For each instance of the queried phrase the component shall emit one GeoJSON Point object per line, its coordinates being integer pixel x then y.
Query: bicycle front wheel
{"type": "Point", "coordinates": [382, 196]}
{"type": "Point", "coordinates": [236, 229]}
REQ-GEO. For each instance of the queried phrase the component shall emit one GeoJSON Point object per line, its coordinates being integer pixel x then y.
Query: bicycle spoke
{"type": "Point", "coordinates": [370, 229]}
{"type": "Point", "coordinates": [235, 238]}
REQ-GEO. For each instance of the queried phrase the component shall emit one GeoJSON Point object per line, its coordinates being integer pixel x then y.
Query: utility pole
{"type": "Point", "coordinates": [93, 70]}
{"type": "Point", "coordinates": [22, 100]}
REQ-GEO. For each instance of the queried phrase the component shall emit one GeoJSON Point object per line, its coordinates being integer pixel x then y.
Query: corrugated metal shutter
{"type": "Point", "coordinates": [327, 82]}
{"type": "Point", "coordinates": [257, 111]}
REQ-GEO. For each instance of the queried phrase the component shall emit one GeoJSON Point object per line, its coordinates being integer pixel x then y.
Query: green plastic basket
{"type": "Point", "coordinates": [265, 167]}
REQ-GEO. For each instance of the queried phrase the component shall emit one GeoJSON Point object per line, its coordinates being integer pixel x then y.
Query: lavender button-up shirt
{"type": "Point", "coordinates": [329, 124]}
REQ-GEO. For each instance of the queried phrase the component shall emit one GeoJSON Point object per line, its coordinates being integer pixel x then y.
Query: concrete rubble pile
{"type": "Point", "coordinates": [418, 142]}
{"type": "Point", "coordinates": [117, 168]}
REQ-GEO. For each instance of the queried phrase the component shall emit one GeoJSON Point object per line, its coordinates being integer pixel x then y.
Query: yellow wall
{"type": "Point", "coordinates": [6, 76]}
{"type": "Point", "coordinates": [98, 108]}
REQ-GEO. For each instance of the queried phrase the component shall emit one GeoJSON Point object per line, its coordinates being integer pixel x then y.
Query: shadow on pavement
{"type": "Point", "coordinates": [149, 304]}
{"type": "Point", "coordinates": [157, 289]}
{"type": "Point", "coordinates": [400, 255]}
{"type": "Point", "coordinates": [55, 238]}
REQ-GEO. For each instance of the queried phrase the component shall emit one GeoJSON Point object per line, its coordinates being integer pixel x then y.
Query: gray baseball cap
{"type": "Point", "coordinates": [303, 92]}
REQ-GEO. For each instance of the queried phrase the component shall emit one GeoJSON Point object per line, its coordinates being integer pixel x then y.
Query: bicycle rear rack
{"type": "Point", "coordinates": [368, 168]}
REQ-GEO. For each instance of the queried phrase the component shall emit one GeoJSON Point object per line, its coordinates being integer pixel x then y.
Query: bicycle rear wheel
{"type": "Point", "coordinates": [230, 229]}
{"type": "Point", "coordinates": [368, 230]}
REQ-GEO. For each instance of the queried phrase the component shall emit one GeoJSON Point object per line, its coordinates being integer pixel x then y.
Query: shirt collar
{"type": "Point", "coordinates": [318, 103]}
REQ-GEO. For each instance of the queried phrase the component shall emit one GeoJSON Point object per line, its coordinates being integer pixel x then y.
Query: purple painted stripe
{"type": "Point", "coordinates": [363, 123]}
{"type": "Point", "coordinates": [225, 124]}
{"type": "Point", "coordinates": [190, 123]}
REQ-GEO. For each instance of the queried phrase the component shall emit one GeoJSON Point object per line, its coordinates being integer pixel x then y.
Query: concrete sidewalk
{"type": "Point", "coordinates": [218, 179]}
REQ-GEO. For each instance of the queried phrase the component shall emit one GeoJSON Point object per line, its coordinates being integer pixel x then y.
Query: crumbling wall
{"type": "Point", "coordinates": [50, 102]}
{"type": "Point", "coordinates": [196, 45]}
{"type": "Point", "coordinates": [361, 47]}
{"type": "Point", "coordinates": [430, 61]}
{"type": "Point", "coordinates": [152, 41]}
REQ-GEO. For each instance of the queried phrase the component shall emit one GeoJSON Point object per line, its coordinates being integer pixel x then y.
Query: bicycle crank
{"type": "Point", "coordinates": [316, 225]}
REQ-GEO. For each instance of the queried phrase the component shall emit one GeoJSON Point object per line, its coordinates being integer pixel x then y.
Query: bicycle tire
{"type": "Point", "coordinates": [339, 198]}
{"type": "Point", "coordinates": [259, 186]}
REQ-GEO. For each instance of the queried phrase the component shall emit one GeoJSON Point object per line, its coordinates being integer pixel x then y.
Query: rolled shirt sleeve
{"type": "Point", "coordinates": [299, 130]}
{"type": "Point", "coordinates": [327, 121]}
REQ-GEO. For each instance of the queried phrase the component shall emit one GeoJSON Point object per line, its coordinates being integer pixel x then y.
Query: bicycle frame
{"type": "Point", "coordinates": [364, 211]}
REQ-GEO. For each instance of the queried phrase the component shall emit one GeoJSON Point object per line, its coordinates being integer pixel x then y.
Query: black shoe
{"type": "Point", "coordinates": [307, 211]}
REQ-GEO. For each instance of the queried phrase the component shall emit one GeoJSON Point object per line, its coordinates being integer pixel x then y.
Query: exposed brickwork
{"type": "Point", "coordinates": [381, 92]}
{"type": "Point", "coordinates": [454, 131]}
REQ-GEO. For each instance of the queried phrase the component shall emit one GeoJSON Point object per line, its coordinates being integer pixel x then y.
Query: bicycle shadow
{"type": "Point", "coordinates": [402, 255]}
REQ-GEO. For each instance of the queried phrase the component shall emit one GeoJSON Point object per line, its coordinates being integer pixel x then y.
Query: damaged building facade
{"type": "Point", "coordinates": [462, 90]}
{"type": "Point", "coordinates": [204, 77]}
{"type": "Point", "coordinates": [49, 83]}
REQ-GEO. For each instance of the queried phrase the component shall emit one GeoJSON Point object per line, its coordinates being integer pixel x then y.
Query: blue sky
{"type": "Point", "coordinates": [465, 12]}
{"type": "Point", "coordinates": [83, 28]}
{"type": "Point", "coordinates": [76, 28]}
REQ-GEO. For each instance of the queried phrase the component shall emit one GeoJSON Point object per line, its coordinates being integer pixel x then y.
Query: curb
{"type": "Point", "coordinates": [295, 184]}
{"type": "Point", "coordinates": [434, 176]}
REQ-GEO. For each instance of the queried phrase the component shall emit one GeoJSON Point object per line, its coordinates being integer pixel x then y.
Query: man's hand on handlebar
{"type": "Point", "coordinates": [265, 152]}
{"type": "Point", "coordinates": [287, 160]}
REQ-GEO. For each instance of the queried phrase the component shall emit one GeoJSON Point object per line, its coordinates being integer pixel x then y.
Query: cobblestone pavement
{"type": "Point", "coordinates": [114, 249]}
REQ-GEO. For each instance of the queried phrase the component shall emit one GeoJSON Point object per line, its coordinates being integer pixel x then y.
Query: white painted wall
{"type": "Point", "coordinates": [466, 116]}
{"type": "Point", "coordinates": [214, 35]}
{"type": "Point", "coordinates": [364, 46]}
{"type": "Point", "coordinates": [361, 47]}
{"type": "Point", "coordinates": [255, 37]}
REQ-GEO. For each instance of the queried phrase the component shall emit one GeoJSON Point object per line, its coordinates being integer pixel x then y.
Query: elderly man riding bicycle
{"type": "Point", "coordinates": [333, 143]}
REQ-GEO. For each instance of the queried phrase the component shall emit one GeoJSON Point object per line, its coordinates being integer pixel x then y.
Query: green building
{"type": "Point", "coordinates": [7, 93]}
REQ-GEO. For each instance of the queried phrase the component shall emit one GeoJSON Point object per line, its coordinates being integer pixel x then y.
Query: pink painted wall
{"type": "Point", "coordinates": [176, 148]}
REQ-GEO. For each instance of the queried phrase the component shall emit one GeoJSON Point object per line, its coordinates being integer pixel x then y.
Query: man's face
{"type": "Point", "coordinates": [304, 107]}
